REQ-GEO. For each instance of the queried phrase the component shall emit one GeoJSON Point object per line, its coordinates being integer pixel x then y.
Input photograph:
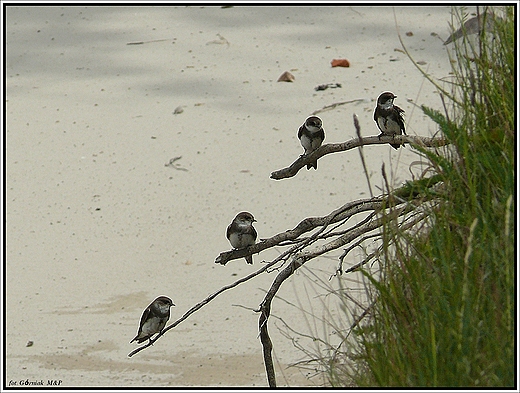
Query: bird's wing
{"type": "Point", "coordinates": [300, 131]}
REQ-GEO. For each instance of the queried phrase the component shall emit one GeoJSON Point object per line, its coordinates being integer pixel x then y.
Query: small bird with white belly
{"type": "Point", "coordinates": [241, 233]}
{"type": "Point", "coordinates": [389, 117]}
{"type": "Point", "coordinates": [154, 319]}
{"type": "Point", "coordinates": [311, 136]}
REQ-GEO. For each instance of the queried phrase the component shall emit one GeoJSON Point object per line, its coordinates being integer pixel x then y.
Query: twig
{"type": "Point", "coordinates": [354, 325]}
{"type": "Point", "coordinates": [368, 258]}
{"type": "Point", "coordinates": [332, 106]}
{"type": "Point", "coordinates": [358, 133]}
{"type": "Point", "coordinates": [372, 255]}
{"type": "Point", "coordinates": [339, 270]}
{"type": "Point", "coordinates": [147, 42]}
{"type": "Point", "coordinates": [202, 303]}
{"type": "Point", "coordinates": [351, 144]}
{"type": "Point", "coordinates": [174, 165]}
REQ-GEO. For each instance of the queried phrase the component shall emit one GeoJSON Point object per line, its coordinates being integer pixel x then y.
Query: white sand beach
{"type": "Point", "coordinates": [98, 225]}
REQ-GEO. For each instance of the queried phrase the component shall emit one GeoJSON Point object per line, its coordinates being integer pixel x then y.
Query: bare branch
{"type": "Point", "coordinates": [395, 207]}
{"type": "Point", "coordinates": [202, 303]}
{"type": "Point", "coordinates": [265, 309]}
{"type": "Point", "coordinates": [351, 144]}
{"type": "Point", "coordinates": [371, 223]}
{"type": "Point", "coordinates": [400, 195]}
{"type": "Point", "coordinates": [209, 298]}
{"type": "Point", "coordinates": [306, 225]}
{"type": "Point", "coordinates": [339, 270]}
{"type": "Point", "coordinates": [296, 263]}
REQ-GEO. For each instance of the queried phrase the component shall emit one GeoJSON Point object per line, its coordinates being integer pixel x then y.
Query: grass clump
{"type": "Point", "coordinates": [444, 299]}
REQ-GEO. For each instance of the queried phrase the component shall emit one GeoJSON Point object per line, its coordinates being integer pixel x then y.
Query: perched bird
{"type": "Point", "coordinates": [389, 117]}
{"type": "Point", "coordinates": [311, 135]}
{"type": "Point", "coordinates": [154, 319]}
{"type": "Point", "coordinates": [241, 233]}
{"type": "Point", "coordinates": [473, 26]}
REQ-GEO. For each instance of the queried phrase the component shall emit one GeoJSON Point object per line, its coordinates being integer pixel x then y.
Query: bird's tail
{"type": "Point", "coordinates": [312, 165]}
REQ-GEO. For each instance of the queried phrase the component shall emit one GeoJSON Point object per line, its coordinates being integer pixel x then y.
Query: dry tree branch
{"type": "Point", "coordinates": [150, 41]}
{"type": "Point", "coordinates": [302, 258]}
{"type": "Point", "coordinates": [265, 309]}
{"type": "Point", "coordinates": [351, 144]}
{"type": "Point", "coordinates": [308, 224]}
{"type": "Point", "coordinates": [209, 298]}
{"type": "Point", "coordinates": [404, 198]}
{"type": "Point", "coordinates": [380, 209]}
{"type": "Point", "coordinates": [202, 303]}
{"type": "Point", "coordinates": [372, 255]}
{"type": "Point", "coordinates": [398, 203]}
{"type": "Point", "coordinates": [304, 226]}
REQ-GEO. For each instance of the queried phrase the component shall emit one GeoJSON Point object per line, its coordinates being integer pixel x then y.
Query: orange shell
{"type": "Point", "coordinates": [340, 63]}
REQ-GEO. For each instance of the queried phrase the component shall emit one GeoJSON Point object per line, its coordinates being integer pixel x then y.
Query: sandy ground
{"type": "Point", "coordinates": [98, 226]}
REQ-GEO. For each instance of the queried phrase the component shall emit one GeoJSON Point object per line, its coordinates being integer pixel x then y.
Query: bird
{"type": "Point", "coordinates": [389, 117]}
{"type": "Point", "coordinates": [311, 136]}
{"type": "Point", "coordinates": [241, 233]}
{"type": "Point", "coordinates": [473, 26]}
{"type": "Point", "coordinates": [154, 319]}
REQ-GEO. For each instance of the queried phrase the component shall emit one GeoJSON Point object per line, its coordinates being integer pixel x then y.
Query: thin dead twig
{"type": "Point", "coordinates": [336, 104]}
{"type": "Point", "coordinates": [148, 42]}
{"type": "Point", "coordinates": [202, 303]}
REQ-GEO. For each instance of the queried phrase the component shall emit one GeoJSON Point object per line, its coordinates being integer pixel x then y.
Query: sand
{"type": "Point", "coordinates": [98, 225]}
